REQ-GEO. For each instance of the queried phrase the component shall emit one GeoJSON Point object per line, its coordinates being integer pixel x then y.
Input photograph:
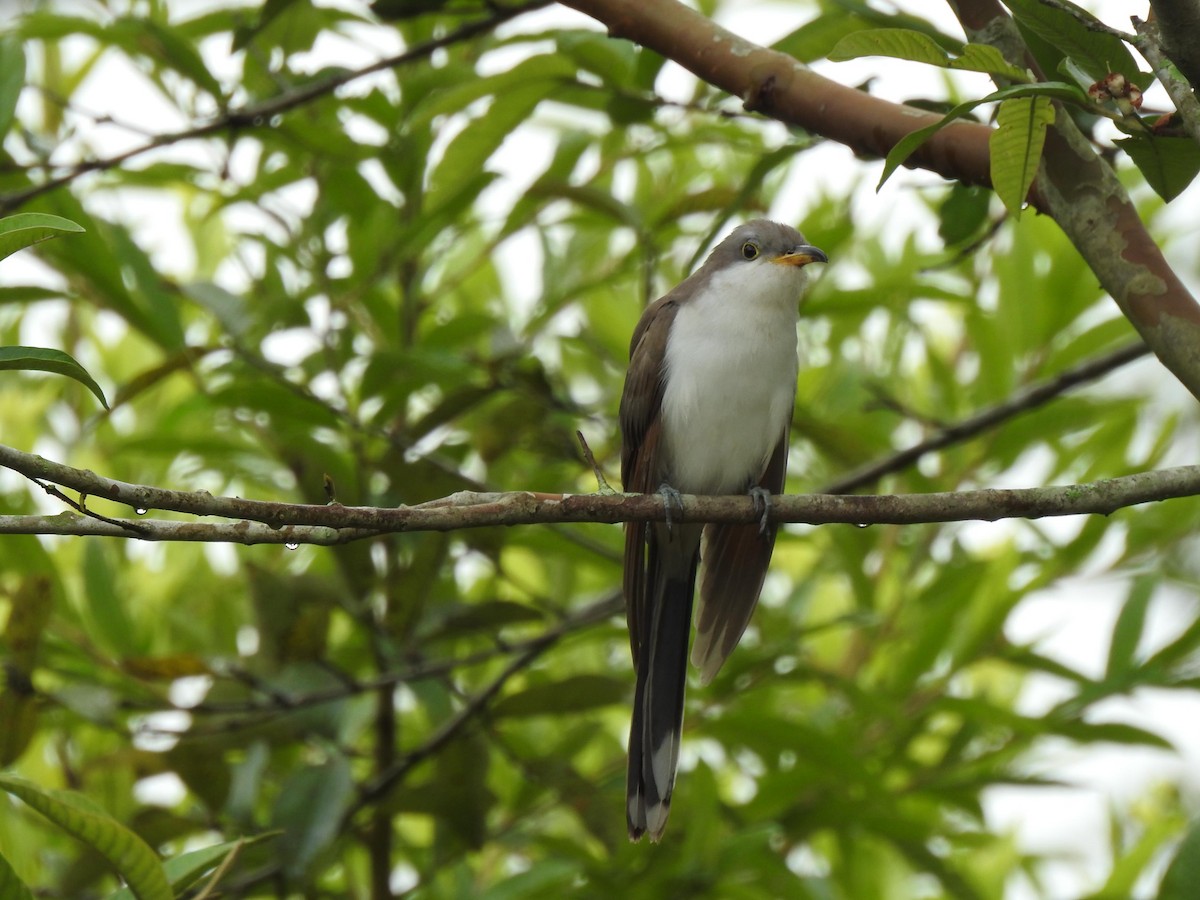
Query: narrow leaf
{"type": "Point", "coordinates": [1109, 732]}
{"type": "Point", "coordinates": [1183, 874]}
{"type": "Point", "coordinates": [12, 79]}
{"type": "Point", "coordinates": [133, 859]}
{"type": "Point", "coordinates": [1016, 147]}
{"type": "Point", "coordinates": [26, 229]}
{"type": "Point", "coordinates": [1056, 90]}
{"type": "Point", "coordinates": [898, 43]}
{"type": "Point", "coordinates": [903, 43]}
{"type": "Point", "coordinates": [41, 359]}
{"type": "Point", "coordinates": [309, 808]}
{"type": "Point", "coordinates": [1127, 632]}
{"type": "Point", "coordinates": [186, 869]}
{"type": "Point", "coordinates": [985, 58]}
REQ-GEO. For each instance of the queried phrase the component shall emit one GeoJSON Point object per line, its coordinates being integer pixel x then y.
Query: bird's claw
{"type": "Point", "coordinates": [670, 495]}
{"type": "Point", "coordinates": [762, 505]}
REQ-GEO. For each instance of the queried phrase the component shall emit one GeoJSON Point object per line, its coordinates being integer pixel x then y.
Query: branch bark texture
{"type": "Point", "coordinates": [266, 522]}
{"type": "Point", "coordinates": [1179, 23]}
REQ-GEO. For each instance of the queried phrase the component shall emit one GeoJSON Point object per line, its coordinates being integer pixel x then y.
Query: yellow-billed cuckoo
{"type": "Point", "coordinates": [706, 409]}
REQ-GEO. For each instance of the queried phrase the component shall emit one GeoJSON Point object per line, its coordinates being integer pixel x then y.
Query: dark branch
{"type": "Point", "coordinates": [1022, 401]}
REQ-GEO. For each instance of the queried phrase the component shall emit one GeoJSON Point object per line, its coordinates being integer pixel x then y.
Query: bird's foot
{"type": "Point", "coordinates": [670, 495]}
{"type": "Point", "coordinates": [762, 505]}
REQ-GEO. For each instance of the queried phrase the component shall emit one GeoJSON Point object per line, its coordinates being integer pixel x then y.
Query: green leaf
{"type": "Point", "coordinates": [468, 153]}
{"type": "Point", "coordinates": [167, 48]}
{"type": "Point", "coordinates": [898, 43]}
{"type": "Point", "coordinates": [986, 58]}
{"type": "Point", "coordinates": [1170, 164]}
{"type": "Point", "coordinates": [1095, 51]}
{"type": "Point", "coordinates": [903, 43]}
{"type": "Point", "coordinates": [41, 359]}
{"type": "Point", "coordinates": [573, 694]}
{"type": "Point", "coordinates": [546, 67]}
{"type": "Point", "coordinates": [186, 869]}
{"type": "Point", "coordinates": [132, 858]}
{"type": "Point", "coordinates": [1127, 632]}
{"type": "Point", "coordinates": [490, 615]}
{"type": "Point", "coordinates": [1109, 732]}
{"type": "Point", "coordinates": [963, 213]}
{"type": "Point", "coordinates": [815, 39]}
{"type": "Point", "coordinates": [552, 878]}
{"type": "Point", "coordinates": [26, 229]}
{"type": "Point", "coordinates": [1057, 90]}
{"type": "Point", "coordinates": [309, 810]}
{"type": "Point", "coordinates": [1183, 874]}
{"type": "Point", "coordinates": [1016, 147]}
{"type": "Point", "coordinates": [12, 79]}
{"type": "Point", "coordinates": [12, 887]}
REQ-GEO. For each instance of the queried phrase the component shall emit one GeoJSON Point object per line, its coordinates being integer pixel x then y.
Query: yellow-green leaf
{"type": "Point", "coordinates": [904, 43]}
{"type": "Point", "coordinates": [1016, 147]}
{"type": "Point", "coordinates": [132, 858]}
{"type": "Point", "coordinates": [905, 146]}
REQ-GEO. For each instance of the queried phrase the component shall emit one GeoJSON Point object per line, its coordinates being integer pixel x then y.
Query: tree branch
{"type": "Point", "coordinates": [1021, 401]}
{"type": "Point", "coordinates": [266, 522]}
{"type": "Point", "coordinates": [378, 787]}
{"type": "Point", "coordinates": [1151, 42]}
{"type": "Point", "coordinates": [1179, 22]}
{"type": "Point", "coordinates": [1075, 187]}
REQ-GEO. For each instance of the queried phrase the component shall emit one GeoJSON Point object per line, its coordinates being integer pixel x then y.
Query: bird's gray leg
{"type": "Point", "coordinates": [670, 495]}
{"type": "Point", "coordinates": [762, 505]}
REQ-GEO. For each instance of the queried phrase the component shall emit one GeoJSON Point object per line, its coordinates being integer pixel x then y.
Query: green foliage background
{"type": "Point", "coordinates": [361, 296]}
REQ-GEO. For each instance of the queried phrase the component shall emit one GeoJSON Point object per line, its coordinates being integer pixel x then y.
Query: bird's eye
{"type": "Point", "coordinates": [749, 250]}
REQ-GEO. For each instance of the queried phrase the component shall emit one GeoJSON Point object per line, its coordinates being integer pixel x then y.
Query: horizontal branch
{"type": "Point", "coordinates": [267, 522]}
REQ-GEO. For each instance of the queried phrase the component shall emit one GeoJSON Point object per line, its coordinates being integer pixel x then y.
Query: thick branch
{"type": "Point", "coordinates": [1179, 22]}
{"type": "Point", "coordinates": [1075, 186]}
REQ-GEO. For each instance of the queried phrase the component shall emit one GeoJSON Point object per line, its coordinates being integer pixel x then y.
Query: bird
{"type": "Point", "coordinates": [706, 408]}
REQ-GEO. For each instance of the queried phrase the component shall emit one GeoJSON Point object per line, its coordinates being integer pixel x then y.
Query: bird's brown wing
{"type": "Point", "coordinates": [641, 430]}
{"type": "Point", "coordinates": [735, 559]}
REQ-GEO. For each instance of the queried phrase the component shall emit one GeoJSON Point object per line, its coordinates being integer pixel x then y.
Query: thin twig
{"type": "Point", "coordinates": [601, 482]}
{"type": "Point", "coordinates": [80, 506]}
{"type": "Point", "coordinates": [377, 788]}
{"type": "Point", "coordinates": [1023, 401]}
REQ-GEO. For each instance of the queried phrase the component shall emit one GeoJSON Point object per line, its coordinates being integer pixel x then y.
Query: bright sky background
{"type": "Point", "coordinates": [1072, 622]}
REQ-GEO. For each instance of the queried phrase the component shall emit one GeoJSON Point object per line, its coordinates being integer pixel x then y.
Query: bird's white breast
{"type": "Point", "coordinates": [730, 377]}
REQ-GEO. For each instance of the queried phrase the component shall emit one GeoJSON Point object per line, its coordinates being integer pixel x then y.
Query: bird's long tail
{"type": "Point", "coordinates": [661, 678]}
